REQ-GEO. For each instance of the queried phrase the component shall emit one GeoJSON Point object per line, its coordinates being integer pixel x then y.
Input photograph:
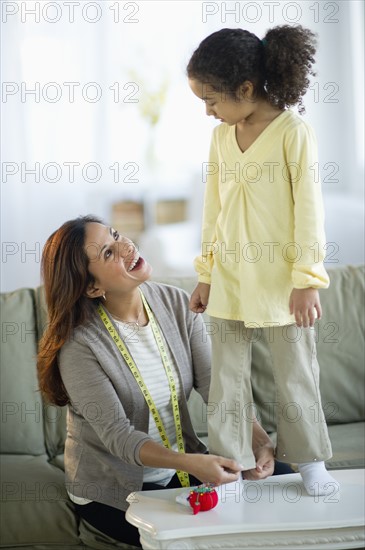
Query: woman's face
{"type": "Point", "coordinates": [222, 106]}
{"type": "Point", "coordinates": [115, 262]}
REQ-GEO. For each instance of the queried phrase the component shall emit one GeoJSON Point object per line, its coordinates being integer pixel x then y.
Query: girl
{"type": "Point", "coordinates": [262, 241]}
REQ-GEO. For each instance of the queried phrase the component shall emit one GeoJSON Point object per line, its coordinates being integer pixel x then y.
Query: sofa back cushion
{"type": "Point", "coordinates": [340, 336]}
{"type": "Point", "coordinates": [22, 409]}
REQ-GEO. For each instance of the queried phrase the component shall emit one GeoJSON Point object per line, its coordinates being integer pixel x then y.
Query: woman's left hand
{"type": "Point", "coordinates": [265, 464]}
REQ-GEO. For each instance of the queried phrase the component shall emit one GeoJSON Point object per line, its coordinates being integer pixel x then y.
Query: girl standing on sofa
{"type": "Point", "coordinates": [262, 242]}
{"type": "Point", "coordinates": [119, 351]}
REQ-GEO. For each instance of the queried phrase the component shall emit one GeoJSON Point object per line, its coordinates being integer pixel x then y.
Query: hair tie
{"type": "Point", "coordinates": [264, 42]}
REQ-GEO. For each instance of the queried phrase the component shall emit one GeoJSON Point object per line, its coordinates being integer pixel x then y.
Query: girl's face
{"type": "Point", "coordinates": [223, 106]}
{"type": "Point", "coordinates": [115, 262]}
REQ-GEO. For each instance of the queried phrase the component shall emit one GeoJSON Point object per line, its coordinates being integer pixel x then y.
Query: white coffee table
{"type": "Point", "coordinates": [275, 513]}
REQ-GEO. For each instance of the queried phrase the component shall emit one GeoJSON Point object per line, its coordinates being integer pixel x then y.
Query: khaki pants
{"type": "Point", "coordinates": [302, 434]}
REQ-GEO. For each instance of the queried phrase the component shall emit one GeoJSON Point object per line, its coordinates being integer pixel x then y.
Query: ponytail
{"type": "Point", "coordinates": [288, 59]}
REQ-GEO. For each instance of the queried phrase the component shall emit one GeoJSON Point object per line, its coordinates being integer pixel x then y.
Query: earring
{"type": "Point", "coordinates": [104, 297]}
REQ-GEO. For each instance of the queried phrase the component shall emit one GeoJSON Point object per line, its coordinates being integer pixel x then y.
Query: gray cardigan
{"type": "Point", "coordinates": [108, 417]}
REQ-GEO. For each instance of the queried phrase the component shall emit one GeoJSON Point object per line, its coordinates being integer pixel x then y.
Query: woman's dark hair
{"type": "Point", "coordinates": [278, 66]}
{"type": "Point", "coordinates": [65, 271]}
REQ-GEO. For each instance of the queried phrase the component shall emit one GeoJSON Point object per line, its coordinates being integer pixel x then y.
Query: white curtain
{"type": "Point", "coordinates": [96, 108]}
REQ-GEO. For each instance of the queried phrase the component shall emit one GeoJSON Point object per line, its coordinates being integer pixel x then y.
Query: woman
{"type": "Point", "coordinates": [124, 355]}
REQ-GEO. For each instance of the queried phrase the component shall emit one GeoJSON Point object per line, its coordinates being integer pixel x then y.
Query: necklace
{"type": "Point", "coordinates": [136, 322]}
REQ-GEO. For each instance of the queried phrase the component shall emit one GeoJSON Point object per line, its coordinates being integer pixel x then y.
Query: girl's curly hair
{"type": "Point", "coordinates": [278, 66]}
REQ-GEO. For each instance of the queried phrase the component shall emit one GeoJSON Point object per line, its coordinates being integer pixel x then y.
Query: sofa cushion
{"type": "Point", "coordinates": [341, 345]}
{"type": "Point", "coordinates": [31, 489]}
{"type": "Point", "coordinates": [348, 446]}
{"type": "Point", "coordinates": [22, 411]}
{"type": "Point", "coordinates": [340, 338]}
{"type": "Point", "coordinates": [340, 351]}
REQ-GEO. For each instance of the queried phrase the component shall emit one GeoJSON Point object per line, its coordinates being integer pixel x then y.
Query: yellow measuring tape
{"type": "Point", "coordinates": [183, 476]}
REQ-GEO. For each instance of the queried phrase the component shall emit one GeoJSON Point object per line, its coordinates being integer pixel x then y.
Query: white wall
{"type": "Point", "coordinates": [152, 42]}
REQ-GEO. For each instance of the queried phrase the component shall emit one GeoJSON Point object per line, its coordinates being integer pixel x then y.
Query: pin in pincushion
{"type": "Point", "coordinates": [203, 498]}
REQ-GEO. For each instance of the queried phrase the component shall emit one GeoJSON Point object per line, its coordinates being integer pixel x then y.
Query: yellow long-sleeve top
{"type": "Point", "coordinates": [262, 232]}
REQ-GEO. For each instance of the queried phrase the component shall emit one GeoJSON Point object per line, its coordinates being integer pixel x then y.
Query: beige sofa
{"type": "Point", "coordinates": [36, 513]}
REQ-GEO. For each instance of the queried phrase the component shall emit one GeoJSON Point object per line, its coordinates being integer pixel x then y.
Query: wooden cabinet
{"type": "Point", "coordinates": [133, 217]}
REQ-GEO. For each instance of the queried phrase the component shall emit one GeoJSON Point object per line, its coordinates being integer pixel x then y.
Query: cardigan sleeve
{"type": "Point", "coordinates": [204, 263]}
{"type": "Point", "coordinates": [94, 399]}
{"type": "Point", "coordinates": [309, 248]}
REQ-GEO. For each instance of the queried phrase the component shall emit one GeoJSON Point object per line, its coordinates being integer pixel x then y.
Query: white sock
{"type": "Point", "coordinates": [317, 481]}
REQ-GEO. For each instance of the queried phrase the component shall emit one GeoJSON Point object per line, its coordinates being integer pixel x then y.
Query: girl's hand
{"type": "Point", "coordinates": [265, 464]}
{"type": "Point", "coordinates": [213, 469]}
{"type": "Point", "coordinates": [199, 298]}
{"type": "Point", "coordinates": [304, 303]}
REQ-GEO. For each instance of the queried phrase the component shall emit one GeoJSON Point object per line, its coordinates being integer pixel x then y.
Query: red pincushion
{"type": "Point", "coordinates": [202, 500]}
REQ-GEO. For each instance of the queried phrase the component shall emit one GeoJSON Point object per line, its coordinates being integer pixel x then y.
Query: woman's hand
{"type": "Point", "coordinates": [304, 303]}
{"type": "Point", "coordinates": [265, 464]}
{"type": "Point", "coordinates": [199, 298]}
{"type": "Point", "coordinates": [213, 469]}
{"type": "Point", "coordinates": [207, 468]}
